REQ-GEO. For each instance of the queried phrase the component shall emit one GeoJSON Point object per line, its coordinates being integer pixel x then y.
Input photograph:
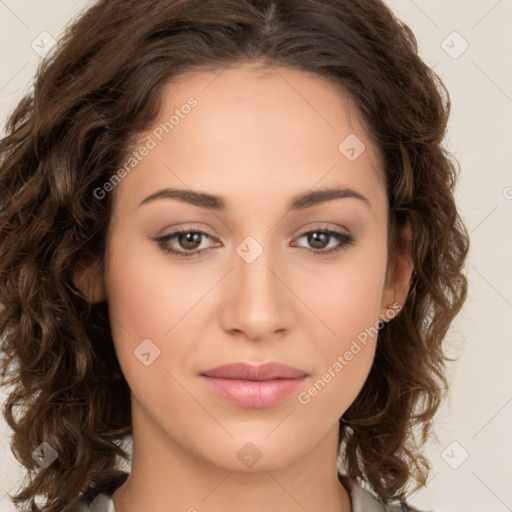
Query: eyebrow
{"type": "Point", "coordinates": [297, 202]}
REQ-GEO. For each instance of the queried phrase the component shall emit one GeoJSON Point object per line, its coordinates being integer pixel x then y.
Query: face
{"type": "Point", "coordinates": [265, 271]}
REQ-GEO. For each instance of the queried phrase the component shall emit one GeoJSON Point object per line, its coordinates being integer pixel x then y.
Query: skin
{"type": "Point", "coordinates": [256, 139]}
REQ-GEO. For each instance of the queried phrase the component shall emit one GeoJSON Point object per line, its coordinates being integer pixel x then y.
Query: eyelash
{"type": "Point", "coordinates": [346, 240]}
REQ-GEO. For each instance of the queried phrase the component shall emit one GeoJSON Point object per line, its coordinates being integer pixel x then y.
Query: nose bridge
{"type": "Point", "coordinates": [258, 300]}
{"type": "Point", "coordinates": [252, 270]}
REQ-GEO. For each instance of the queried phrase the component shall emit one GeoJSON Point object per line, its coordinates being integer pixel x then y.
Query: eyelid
{"type": "Point", "coordinates": [323, 226]}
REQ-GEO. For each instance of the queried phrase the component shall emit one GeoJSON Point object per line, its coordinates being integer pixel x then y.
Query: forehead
{"type": "Point", "coordinates": [265, 130]}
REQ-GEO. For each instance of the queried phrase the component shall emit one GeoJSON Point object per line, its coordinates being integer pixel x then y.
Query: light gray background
{"type": "Point", "coordinates": [476, 420]}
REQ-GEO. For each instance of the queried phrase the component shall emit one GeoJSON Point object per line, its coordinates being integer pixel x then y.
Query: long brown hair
{"type": "Point", "coordinates": [70, 134]}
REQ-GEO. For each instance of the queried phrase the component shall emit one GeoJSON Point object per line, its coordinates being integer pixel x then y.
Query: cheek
{"type": "Point", "coordinates": [348, 303]}
{"type": "Point", "coordinates": [145, 302]}
{"type": "Point", "coordinates": [143, 306]}
{"type": "Point", "coordinates": [348, 299]}
{"type": "Point", "coordinates": [146, 295]}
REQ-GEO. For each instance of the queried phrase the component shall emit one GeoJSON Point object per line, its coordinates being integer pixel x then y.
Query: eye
{"type": "Point", "coordinates": [186, 242]}
{"type": "Point", "coordinates": [320, 239]}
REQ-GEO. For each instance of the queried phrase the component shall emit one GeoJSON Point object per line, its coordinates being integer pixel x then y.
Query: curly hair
{"type": "Point", "coordinates": [100, 88]}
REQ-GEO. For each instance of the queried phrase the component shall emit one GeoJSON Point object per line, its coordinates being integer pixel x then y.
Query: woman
{"type": "Point", "coordinates": [228, 233]}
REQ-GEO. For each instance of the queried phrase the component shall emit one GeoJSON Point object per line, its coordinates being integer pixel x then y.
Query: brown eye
{"type": "Point", "coordinates": [190, 240]}
{"type": "Point", "coordinates": [319, 240]}
{"type": "Point", "coordinates": [183, 243]}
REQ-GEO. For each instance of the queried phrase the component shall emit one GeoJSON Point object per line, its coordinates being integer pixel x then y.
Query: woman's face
{"type": "Point", "coordinates": [262, 281]}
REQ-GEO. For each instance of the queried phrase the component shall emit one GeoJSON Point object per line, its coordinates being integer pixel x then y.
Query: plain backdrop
{"type": "Point", "coordinates": [468, 44]}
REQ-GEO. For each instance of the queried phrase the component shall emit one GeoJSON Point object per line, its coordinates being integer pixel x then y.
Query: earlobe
{"type": "Point", "coordinates": [88, 278]}
{"type": "Point", "coordinates": [399, 277]}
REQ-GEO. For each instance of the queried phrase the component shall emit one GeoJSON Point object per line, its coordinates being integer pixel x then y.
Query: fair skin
{"type": "Point", "coordinates": [255, 141]}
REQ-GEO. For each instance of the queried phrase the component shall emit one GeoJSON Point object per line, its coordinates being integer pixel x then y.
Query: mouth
{"type": "Point", "coordinates": [251, 386]}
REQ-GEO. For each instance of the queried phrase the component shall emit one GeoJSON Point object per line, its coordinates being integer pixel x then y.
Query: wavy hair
{"type": "Point", "coordinates": [100, 88]}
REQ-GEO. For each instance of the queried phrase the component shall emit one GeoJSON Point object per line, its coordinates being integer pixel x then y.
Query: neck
{"type": "Point", "coordinates": [165, 477]}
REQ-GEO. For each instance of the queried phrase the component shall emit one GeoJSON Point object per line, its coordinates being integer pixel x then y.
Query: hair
{"type": "Point", "coordinates": [101, 87]}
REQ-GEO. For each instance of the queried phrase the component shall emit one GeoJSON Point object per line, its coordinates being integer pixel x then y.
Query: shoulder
{"type": "Point", "coordinates": [365, 501]}
{"type": "Point", "coordinates": [97, 497]}
{"type": "Point", "coordinates": [101, 503]}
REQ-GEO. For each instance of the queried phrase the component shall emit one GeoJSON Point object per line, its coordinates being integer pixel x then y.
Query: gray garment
{"type": "Point", "coordinates": [362, 501]}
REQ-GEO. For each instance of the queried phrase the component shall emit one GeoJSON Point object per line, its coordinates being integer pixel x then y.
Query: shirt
{"type": "Point", "coordinates": [99, 500]}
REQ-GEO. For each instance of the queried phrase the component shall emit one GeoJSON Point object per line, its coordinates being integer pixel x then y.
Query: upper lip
{"type": "Point", "coordinates": [246, 371]}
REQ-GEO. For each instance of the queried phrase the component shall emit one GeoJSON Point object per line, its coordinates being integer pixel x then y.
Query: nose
{"type": "Point", "coordinates": [258, 301]}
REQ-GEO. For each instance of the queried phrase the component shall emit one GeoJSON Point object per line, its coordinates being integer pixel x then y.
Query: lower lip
{"type": "Point", "coordinates": [252, 393]}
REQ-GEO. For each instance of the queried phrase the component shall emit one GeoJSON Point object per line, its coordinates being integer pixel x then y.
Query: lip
{"type": "Point", "coordinates": [254, 386]}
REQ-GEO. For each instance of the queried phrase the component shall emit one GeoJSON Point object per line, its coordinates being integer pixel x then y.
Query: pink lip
{"type": "Point", "coordinates": [254, 386]}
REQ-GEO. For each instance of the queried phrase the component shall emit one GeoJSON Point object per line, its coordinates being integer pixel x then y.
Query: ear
{"type": "Point", "coordinates": [398, 278]}
{"type": "Point", "coordinates": [88, 278]}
